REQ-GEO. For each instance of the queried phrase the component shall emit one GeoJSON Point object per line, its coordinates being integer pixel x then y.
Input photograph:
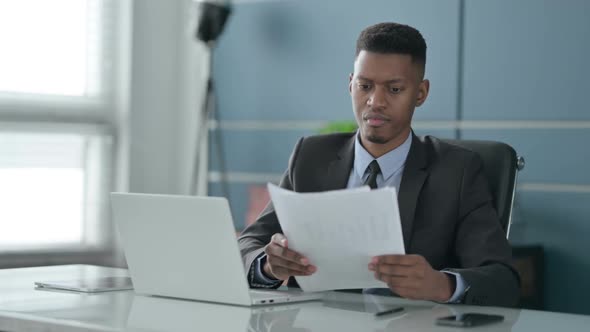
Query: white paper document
{"type": "Point", "coordinates": [339, 231]}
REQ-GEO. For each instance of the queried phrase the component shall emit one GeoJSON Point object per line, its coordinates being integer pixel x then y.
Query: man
{"type": "Point", "coordinates": [457, 251]}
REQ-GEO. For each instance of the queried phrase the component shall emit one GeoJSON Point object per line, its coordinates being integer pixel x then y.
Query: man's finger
{"type": "Point", "coordinates": [404, 271]}
{"type": "Point", "coordinates": [274, 249]}
{"type": "Point", "coordinates": [276, 261]}
{"type": "Point", "coordinates": [288, 254]}
{"type": "Point", "coordinates": [279, 239]}
{"type": "Point", "coordinates": [407, 293]}
{"type": "Point", "coordinates": [400, 282]}
{"type": "Point", "coordinates": [408, 260]}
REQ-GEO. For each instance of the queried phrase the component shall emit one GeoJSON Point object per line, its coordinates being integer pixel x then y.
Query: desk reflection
{"type": "Point", "coordinates": [334, 313]}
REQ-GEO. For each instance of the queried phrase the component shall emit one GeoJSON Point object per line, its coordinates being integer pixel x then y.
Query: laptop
{"type": "Point", "coordinates": [186, 247]}
{"type": "Point", "coordinates": [87, 284]}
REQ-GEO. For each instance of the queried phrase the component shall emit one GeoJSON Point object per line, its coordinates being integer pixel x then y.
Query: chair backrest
{"type": "Point", "coordinates": [501, 166]}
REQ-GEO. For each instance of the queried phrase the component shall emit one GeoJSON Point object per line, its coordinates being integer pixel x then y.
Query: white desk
{"type": "Point", "coordinates": [22, 308]}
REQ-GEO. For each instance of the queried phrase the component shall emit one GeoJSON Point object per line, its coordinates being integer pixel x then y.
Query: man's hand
{"type": "Point", "coordinates": [412, 277]}
{"type": "Point", "coordinates": [281, 262]}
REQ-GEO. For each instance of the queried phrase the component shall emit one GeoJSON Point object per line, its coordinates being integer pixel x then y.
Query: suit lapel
{"type": "Point", "coordinates": [415, 173]}
{"type": "Point", "coordinates": [338, 170]}
{"type": "Point", "coordinates": [413, 178]}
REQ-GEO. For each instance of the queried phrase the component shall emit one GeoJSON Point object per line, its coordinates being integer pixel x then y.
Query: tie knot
{"type": "Point", "coordinates": [374, 170]}
{"type": "Point", "coordinates": [374, 167]}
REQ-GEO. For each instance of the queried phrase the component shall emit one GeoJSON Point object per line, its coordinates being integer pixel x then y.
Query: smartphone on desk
{"type": "Point", "coordinates": [469, 319]}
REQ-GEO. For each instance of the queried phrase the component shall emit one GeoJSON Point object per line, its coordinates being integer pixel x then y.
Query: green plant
{"type": "Point", "coordinates": [339, 127]}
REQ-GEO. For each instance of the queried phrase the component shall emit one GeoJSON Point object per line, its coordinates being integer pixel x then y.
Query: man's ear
{"type": "Point", "coordinates": [350, 82]}
{"type": "Point", "coordinates": [423, 89]}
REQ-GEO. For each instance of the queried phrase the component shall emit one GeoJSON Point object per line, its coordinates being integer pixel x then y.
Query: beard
{"type": "Point", "coordinates": [376, 139]}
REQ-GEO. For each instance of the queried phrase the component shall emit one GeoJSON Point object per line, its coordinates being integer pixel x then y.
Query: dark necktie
{"type": "Point", "coordinates": [374, 170]}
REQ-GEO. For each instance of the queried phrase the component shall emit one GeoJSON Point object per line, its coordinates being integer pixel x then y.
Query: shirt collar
{"type": "Point", "coordinates": [389, 163]}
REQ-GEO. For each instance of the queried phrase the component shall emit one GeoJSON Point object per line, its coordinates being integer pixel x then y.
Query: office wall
{"type": "Point", "coordinates": [167, 84]}
{"type": "Point", "coordinates": [281, 70]}
{"type": "Point", "coordinates": [514, 71]}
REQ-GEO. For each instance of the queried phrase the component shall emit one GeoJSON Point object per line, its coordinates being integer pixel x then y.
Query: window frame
{"type": "Point", "coordinates": [103, 116]}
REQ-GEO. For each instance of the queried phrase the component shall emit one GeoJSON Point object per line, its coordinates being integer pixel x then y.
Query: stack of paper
{"type": "Point", "coordinates": [339, 231]}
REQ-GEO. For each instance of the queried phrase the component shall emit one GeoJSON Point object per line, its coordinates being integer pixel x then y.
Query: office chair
{"type": "Point", "coordinates": [501, 167]}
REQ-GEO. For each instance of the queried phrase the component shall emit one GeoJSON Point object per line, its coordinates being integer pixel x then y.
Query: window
{"type": "Point", "coordinates": [51, 48]}
{"type": "Point", "coordinates": [51, 188]}
{"type": "Point", "coordinates": [58, 65]}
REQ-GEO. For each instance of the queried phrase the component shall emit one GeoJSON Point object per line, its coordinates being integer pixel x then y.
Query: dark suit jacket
{"type": "Point", "coordinates": [445, 207]}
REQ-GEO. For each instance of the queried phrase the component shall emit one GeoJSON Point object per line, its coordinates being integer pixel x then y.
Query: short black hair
{"type": "Point", "coordinates": [389, 37]}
